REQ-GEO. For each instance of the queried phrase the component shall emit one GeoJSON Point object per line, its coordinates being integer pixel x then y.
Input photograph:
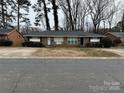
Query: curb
{"type": "Point", "coordinates": [62, 58]}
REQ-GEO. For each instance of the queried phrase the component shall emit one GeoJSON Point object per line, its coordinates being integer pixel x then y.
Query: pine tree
{"type": "Point", "coordinates": [22, 4]}
{"type": "Point", "coordinates": [8, 11]}
{"type": "Point", "coordinates": [42, 12]}
{"type": "Point", "coordinates": [2, 13]}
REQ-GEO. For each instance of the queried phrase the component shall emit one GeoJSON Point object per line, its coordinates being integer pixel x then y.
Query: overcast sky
{"type": "Point", "coordinates": [61, 16]}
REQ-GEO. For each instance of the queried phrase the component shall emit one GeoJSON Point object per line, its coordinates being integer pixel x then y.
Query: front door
{"type": "Point", "coordinates": [81, 41]}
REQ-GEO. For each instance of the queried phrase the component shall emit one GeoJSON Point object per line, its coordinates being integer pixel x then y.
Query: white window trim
{"type": "Point", "coordinates": [34, 40]}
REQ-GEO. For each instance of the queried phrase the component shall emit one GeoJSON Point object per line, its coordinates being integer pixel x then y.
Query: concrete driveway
{"type": "Point", "coordinates": [16, 52]}
{"type": "Point", "coordinates": [117, 51]}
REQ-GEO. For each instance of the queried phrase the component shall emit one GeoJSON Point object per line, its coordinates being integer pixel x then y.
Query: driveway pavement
{"type": "Point", "coordinates": [16, 52]}
{"type": "Point", "coordinates": [117, 51]}
{"type": "Point", "coordinates": [61, 76]}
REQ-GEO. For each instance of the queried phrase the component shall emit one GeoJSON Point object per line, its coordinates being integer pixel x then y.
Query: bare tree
{"type": "Point", "coordinates": [70, 14]}
{"type": "Point", "coordinates": [64, 7]}
{"type": "Point", "coordinates": [83, 12]}
{"type": "Point", "coordinates": [111, 11]}
{"type": "Point", "coordinates": [97, 10]}
{"type": "Point", "coordinates": [75, 12]}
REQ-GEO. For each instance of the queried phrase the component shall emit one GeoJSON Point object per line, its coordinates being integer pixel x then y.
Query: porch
{"type": "Point", "coordinates": [63, 41]}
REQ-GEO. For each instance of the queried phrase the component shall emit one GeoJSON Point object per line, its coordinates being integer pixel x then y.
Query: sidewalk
{"type": "Point", "coordinates": [16, 52]}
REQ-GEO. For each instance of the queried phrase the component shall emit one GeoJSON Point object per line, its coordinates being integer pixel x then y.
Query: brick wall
{"type": "Point", "coordinates": [16, 38]}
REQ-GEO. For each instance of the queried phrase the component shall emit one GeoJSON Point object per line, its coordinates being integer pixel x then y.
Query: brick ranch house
{"type": "Point", "coordinates": [63, 38]}
{"type": "Point", "coordinates": [12, 35]}
{"type": "Point", "coordinates": [116, 36]}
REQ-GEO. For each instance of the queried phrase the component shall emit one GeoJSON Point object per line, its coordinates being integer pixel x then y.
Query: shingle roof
{"type": "Point", "coordinates": [5, 31]}
{"type": "Point", "coordinates": [118, 34]}
{"type": "Point", "coordinates": [62, 34]}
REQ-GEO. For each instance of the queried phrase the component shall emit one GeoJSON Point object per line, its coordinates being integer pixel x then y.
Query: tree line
{"type": "Point", "coordinates": [76, 13]}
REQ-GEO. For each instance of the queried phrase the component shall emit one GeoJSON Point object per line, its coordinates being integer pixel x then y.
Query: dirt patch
{"type": "Point", "coordinates": [57, 52]}
{"type": "Point", "coordinates": [45, 52]}
{"type": "Point", "coordinates": [72, 52]}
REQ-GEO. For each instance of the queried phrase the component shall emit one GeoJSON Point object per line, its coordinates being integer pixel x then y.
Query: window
{"type": "Point", "coordinates": [34, 39]}
{"type": "Point", "coordinates": [94, 40]}
{"type": "Point", "coordinates": [59, 41]}
{"type": "Point", "coordinates": [72, 41]}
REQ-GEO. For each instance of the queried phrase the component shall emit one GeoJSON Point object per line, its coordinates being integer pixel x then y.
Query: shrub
{"type": "Point", "coordinates": [107, 42]}
{"type": "Point", "coordinates": [32, 44]}
{"type": "Point", "coordinates": [98, 45]}
{"type": "Point", "coordinates": [27, 44]}
{"type": "Point", "coordinates": [6, 43]}
{"type": "Point", "coordinates": [88, 45]}
{"type": "Point", "coordinates": [116, 42]}
{"type": "Point", "coordinates": [94, 45]}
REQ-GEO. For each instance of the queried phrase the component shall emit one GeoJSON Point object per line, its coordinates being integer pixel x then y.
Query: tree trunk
{"type": "Point", "coordinates": [55, 14]}
{"type": "Point", "coordinates": [70, 16]}
{"type": "Point", "coordinates": [110, 26]}
{"type": "Point", "coordinates": [95, 28]}
{"type": "Point", "coordinates": [46, 15]}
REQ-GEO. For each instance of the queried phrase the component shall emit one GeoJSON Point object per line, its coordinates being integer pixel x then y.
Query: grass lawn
{"type": "Point", "coordinates": [73, 52]}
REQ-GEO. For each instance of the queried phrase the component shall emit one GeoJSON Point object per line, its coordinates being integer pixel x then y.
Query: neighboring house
{"type": "Point", "coordinates": [12, 35]}
{"type": "Point", "coordinates": [115, 35]}
{"type": "Point", "coordinates": [63, 38]}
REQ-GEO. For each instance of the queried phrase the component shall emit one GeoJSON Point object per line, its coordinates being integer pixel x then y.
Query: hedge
{"type": "Point", "coordinates": [6, 43]}
{"type": "Point", "coordinates": [32, 44]}
{"type": "Point", "coordinates": [107, 42]}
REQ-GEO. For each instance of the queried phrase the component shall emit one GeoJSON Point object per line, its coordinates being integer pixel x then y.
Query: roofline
{"type": "Point", "coordinates": [6, 33]}
{"type": "Point", "coordinates": [57, 36]}
{"type": "Point", "coordinates": [10, 31]}
{"type": "Point", "coordinates": [112, 34]}
{"type": "Point", "coordinates": [13, 30]}
{"type": "Point", "coordinates": [3, 34]}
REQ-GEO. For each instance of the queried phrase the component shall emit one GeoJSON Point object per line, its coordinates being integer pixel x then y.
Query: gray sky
{"type": "Point", "coordinates": [61, 16]}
